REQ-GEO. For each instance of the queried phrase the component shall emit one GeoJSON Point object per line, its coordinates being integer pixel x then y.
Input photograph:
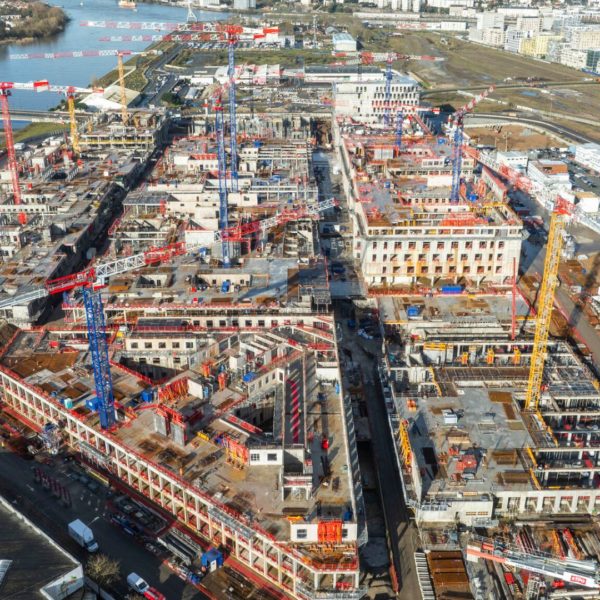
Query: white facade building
{"type": "Point", "coordinates": [588, 156]}
{"type": "Point", "coordinates": [549, 173]}
{"type": "Point", "coordinates": [489, 20]}
{"type": "Point", "coordinates": [365, 100]}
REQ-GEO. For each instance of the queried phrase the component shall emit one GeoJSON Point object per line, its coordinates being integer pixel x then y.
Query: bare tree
{"type": "Point", "coordinates": [102, 569]}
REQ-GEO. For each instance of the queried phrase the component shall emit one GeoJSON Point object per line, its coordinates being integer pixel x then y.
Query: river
{"type": "Point", "coordinates": [81, 71]}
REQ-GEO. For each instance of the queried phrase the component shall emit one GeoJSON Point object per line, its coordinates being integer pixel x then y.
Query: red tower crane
{"type": "Point", "coordinates": [35, 86]}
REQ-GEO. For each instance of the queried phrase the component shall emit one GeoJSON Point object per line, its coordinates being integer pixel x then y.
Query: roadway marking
{"type": "Point", "coordinates": [30, 488]}
{"type": "Point", "coordinates": [93, 520]}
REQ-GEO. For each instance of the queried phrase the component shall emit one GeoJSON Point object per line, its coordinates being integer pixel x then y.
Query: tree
{"type": "Point", "coordinates": [102, 569]}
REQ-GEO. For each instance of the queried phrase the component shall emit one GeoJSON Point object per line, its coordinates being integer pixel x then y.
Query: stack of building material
{"type": "Point", "coordinates": [449, 576]}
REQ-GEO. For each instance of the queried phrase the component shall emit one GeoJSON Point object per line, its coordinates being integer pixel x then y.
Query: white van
{"type": "Point", "coordinates": [136, 583]}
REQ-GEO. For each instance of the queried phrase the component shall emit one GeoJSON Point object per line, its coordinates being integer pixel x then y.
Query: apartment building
{"type": "Point", "coordinates": [365, 100]}
{"type": "Point", "coordinates": [588, 155]}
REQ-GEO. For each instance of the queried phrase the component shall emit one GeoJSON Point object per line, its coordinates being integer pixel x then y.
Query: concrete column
{"type": "Point", "coordinates": [522, 504]}
{"type": "Point", "coordinates": [591, 504]}
{"type": "Point", "coordinates": [236, 543]}
{"type": "Point", "coordinates": [539, 508]}
{"type": "Point", "coordinates": [574, 503]}
{"type": "Point", "coordinates": [557, 503]}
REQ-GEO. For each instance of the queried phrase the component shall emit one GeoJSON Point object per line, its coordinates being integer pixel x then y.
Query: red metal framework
{"type": "Point", "coordinates": [13, 166]}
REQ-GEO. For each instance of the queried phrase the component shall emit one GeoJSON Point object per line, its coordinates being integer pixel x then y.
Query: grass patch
{"type": "Point", "coordinates": [34, 130]}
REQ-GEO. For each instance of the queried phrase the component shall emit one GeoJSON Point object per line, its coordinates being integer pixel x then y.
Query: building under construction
{"type": "Point", "coordinates": [408, 231]}
{"type": "Point", "coordinates": [229, 408]}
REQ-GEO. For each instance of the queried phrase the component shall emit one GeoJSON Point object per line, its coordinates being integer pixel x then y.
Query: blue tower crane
{"type": "Point", "coordinates": [223, 208]}
{"type": "Point", "coordinates": [457, 141]}
{"type": "Point", "coordinates": [231, 39]}
{"type": "Point", "coordinates": [399, 123]}
{"type": "Point", "coordinates": [94, 313]}
{"type": "Point", "coordinates": [388, 93]}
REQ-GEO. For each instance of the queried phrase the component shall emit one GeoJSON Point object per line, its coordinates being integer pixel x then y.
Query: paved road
{"type": "Point", "coordinates": [401, 529]}
{"type": "Point", "coordinates": [45, 511]}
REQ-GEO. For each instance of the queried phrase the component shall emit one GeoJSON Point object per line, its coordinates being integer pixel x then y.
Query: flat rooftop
{"type": "Point", "coordinates": [35, 560]}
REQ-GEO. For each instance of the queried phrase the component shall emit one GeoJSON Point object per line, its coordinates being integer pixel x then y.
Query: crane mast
{"type": "Point", "coordinates": [457, 141]}
{"type": "Point", "coordinates": [10, 142]}
{"type": "Point", "coordinates": [94, 313]}
{"type": "Point", "coordinates": [121, 70]}
{"type": "Point", "coordinates": [232, 109]}
{"type": "Point", "coordinates": [223, 208]}
{"type": "Point", "coordinates": [388, 92]}
{"type": "Point", "coordinates": [544, 315]}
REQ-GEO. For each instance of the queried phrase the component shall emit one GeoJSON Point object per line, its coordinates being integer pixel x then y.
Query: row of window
{"type": "Point", "coordinates": [439, 270]}
{"type": "Point", "coordinates": [439, 245]}
{"type": "Point", "coordinates": [162, 345]}
{"type": "Point", "coordinates": [436, 257]}
{"type": "Point", "coordinates": [255, 457]}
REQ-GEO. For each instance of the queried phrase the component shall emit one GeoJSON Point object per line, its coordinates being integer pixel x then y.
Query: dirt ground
{"type": "Point", "coordinates": [467, 65]}
{"type": "Point", "coordinates": [511, 137]}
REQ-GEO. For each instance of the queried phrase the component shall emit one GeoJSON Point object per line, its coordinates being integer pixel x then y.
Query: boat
{"type": "Point", "coordinates": [127, 4]}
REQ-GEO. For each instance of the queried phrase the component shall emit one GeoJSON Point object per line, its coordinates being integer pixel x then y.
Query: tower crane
{"type": "Point", "coordinates": [35, 86]}
{"type": "Point", "coordinates": [563, 211]}
{"type": "Point", "coordinates": [90, 280]}
{"type": "Point", "coordinates": [457, 149]}
{"type": "Point", "coordinates": [88, 54]}
{"type": "Point", "coordinates": [232, 31]}
{"type": "Point", "coordinates": [388, 92]}
{"type": "Point", "coordinates": [584, 573]}
{"type": "Point", "coordinates": [560, 216]}
{"type": "Point", "coordinates": [222, 168]}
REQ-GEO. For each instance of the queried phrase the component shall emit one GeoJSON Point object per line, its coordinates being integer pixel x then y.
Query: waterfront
{"type": "Point", "coordinates": [81, 71]}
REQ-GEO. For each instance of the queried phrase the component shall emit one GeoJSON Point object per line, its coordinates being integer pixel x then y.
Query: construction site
{"type": "Point", "coordinates": [168, 295]}
{"type": "Point", "coordinates": [494, 421]}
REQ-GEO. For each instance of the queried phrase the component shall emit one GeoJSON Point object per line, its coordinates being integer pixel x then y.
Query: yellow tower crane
{"type": "Point", "coordinates": [558, 220]}
{"type": "Point", "coordinates": [73, 121]}
{"type": "Point", "coordinates": [124, 113]}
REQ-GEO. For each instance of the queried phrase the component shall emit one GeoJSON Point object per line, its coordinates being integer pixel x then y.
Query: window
{"type": "Point", "coordinates": [480, 270]}
{"type": "Point", "coordinates": [156, 361]}
{"type": "Point", "coordinates": [254, 456]}
{"type": "Point", "coordinates": [162, 345]}
{"type": "Point", "coordinates": [209, 323]}
{"type": "Point", "coordinates": [454, 245]}
{"type": "Point", "coordinates": [440, 245]}
{"type": "Point", "coordinates": [344, 532]}
{"type": "Point", "coordinates": [134, 344]}
{"type": "Point", "coordinates": [271, 456]}
{"type": "Point", "coordinates": [301, 534]}
{"type": "Point", "coordinates": [148, 345]}
{"type": "Point", "coordinates": [189, 345]}
{"type": "Point", "coordinates": [482, 245]}
{"type": "Point", "coordinates": [426, 245]}
{"type": "Point", "coordinates": [469, 245]}
{"type": "Point", "coordinates": [438, 269]}
{"type": "Point", "coordinates": [175, 345]}
{"type": "Point", "coordinates": [176, 360]}
{"type": "Point", "coordinates": [412, 245]}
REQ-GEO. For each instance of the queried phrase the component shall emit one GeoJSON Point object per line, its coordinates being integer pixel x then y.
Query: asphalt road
{"type": "Point", "coordinates": [401, 529]}
{"type": "Point", "coordinates": [17, 485]}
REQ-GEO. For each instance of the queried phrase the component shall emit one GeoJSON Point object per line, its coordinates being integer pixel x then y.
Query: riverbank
{"type": "Point", "coordinates": [26, 23]}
